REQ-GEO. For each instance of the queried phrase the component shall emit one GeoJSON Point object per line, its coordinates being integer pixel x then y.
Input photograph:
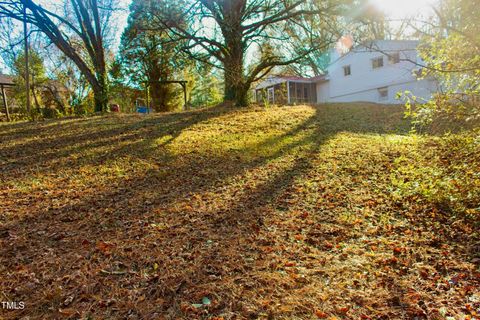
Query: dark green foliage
{"type": "Point", "coordinates": [148, 55]}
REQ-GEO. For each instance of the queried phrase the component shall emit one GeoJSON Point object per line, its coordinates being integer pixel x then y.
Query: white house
{"type": "Point", "coordinates": [372, 72]}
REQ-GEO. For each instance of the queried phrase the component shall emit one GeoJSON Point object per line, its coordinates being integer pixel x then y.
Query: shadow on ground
{"type": "Point", "coordinates": [254, 229]}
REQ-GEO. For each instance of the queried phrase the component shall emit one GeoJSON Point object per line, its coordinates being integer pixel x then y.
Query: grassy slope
{"type": "Point", "coordinates": [285, 213]}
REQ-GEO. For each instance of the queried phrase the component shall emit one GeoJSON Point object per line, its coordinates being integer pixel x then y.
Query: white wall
{"type": "Point", "coordinates": [422, 89]}
{"type": "Point", "coordinates": [323, 91]}
{"type": "Point", "coordinates": [364, 81]}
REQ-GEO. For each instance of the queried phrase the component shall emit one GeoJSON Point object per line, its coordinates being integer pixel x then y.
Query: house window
{"type": "Point", "coordinates": [377, 62]}
{"type": "Point", "coordinates": [347, 70]}
{"type": "Point", "coordinates": [394, 58]}
{"type": "Point", "coordinates": [271, 95]}
{"type": "Point", "coordinates": [383, 93]}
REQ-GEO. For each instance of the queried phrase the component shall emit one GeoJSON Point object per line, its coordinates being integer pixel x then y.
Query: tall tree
{"type": "Point", "coordinates": [37, 77]}
{"type": "Point", "coordinates": [148, 54]}
{"type": "Point", "coordinates": [78, 32]}
{"type": "Point", "coordinates": [227, 33]}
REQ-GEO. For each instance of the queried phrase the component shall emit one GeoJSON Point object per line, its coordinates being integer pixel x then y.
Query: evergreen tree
{"type": "Point", "coordinates": [149, 55]}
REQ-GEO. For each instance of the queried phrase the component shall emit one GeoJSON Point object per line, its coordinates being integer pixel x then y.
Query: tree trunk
{"type": "Point", "coordinates": [235, 87]}
{"type": "Point", "coordinates": [35, 99]}
{"type": "Point", "coordinates": [236, 93]}
{"type": "Point", "coordinates": [236, 90]}
{"type": "Point", "coordinates": [100, 93]}
{"type": "Point", "coordinates": [100, 98]}
{"type": "Point", "coordinates": [160, 93]}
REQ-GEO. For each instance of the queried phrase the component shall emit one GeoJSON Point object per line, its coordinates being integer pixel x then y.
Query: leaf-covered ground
{"type": "Point", "coordinates": [284, 213]}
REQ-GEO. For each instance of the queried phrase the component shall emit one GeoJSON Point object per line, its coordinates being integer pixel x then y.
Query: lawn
{"type": "Point", "coordinates": [280, 213]}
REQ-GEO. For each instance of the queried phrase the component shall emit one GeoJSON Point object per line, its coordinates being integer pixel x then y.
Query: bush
{"type": "Point", "coordinates": [445, 173]}
{"type": "Point", "coordinates": [51, 113]}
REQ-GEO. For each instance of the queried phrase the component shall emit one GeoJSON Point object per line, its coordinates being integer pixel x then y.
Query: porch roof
{"type": "Point", "coordinates": [271, 81]}
{"type": "Point", "coordinates": [6, 80]}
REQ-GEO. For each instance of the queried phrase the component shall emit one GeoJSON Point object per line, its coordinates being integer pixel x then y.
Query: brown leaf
{"type": "Point", "coordinates": [320, 314]}
{"type": "Point", "coordinates": [67, 312]}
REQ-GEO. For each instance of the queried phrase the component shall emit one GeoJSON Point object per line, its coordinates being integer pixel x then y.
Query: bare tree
{"type": "Point", "coordinates": [10, 41]}
{"type": "Point", "coordinates": [78, 32]}
{"type": "Point", "coordinates": [226, 33]}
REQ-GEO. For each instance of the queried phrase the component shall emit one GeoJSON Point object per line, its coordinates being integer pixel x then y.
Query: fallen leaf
{"type": "Point", "coordinates": [320, 314]}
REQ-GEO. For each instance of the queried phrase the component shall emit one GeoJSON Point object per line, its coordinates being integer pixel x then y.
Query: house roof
{"type": "Point", "coordinates": [380, 45]}
{"type": "Point", "coordinates": [6, 79]}
{"type": "Point", "coordinates": [368, 45]}
{"type": "Point", "coordinates": [322, 77]}
{"type": "Point", "coordinates": [273, 80]}
{"type": "Point", "coordinates": [291, 78]}
{"type": "Point", "coordinates": [57, 85]}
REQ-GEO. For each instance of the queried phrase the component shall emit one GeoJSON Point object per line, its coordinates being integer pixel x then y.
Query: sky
{"type": "Point", "coordinates": [395, 9]}
{"type": "Point", "coordinates": [120, 22]}
{"type": "Point", "coordinates": [122, 18]}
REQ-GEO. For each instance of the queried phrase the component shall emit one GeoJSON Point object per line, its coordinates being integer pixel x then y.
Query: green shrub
{"type": "Point", "coordinates": [446, 172]}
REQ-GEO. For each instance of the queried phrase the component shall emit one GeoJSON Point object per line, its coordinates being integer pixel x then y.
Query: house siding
{"type": "Point", "coordinates": [323, 92]}
{"type": "Point", "coordinates": [364, 81]}
{"type": "Point", "coordinates": [360, 76]}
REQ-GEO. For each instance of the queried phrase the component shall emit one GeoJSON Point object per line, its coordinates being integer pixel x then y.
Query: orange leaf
{"type": "Point", "coordinates": [328, 245]}
{"type": "Point", "coordinates": [320, 314]}
{"type": "Point", "coordinates": [67, 312]}
{"type": "Point", "coordinates": [343, 310]}
{"type": "Point", "coordinates": [104, 247]}
{"type": "Point", "coordinates": [286, 309]}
